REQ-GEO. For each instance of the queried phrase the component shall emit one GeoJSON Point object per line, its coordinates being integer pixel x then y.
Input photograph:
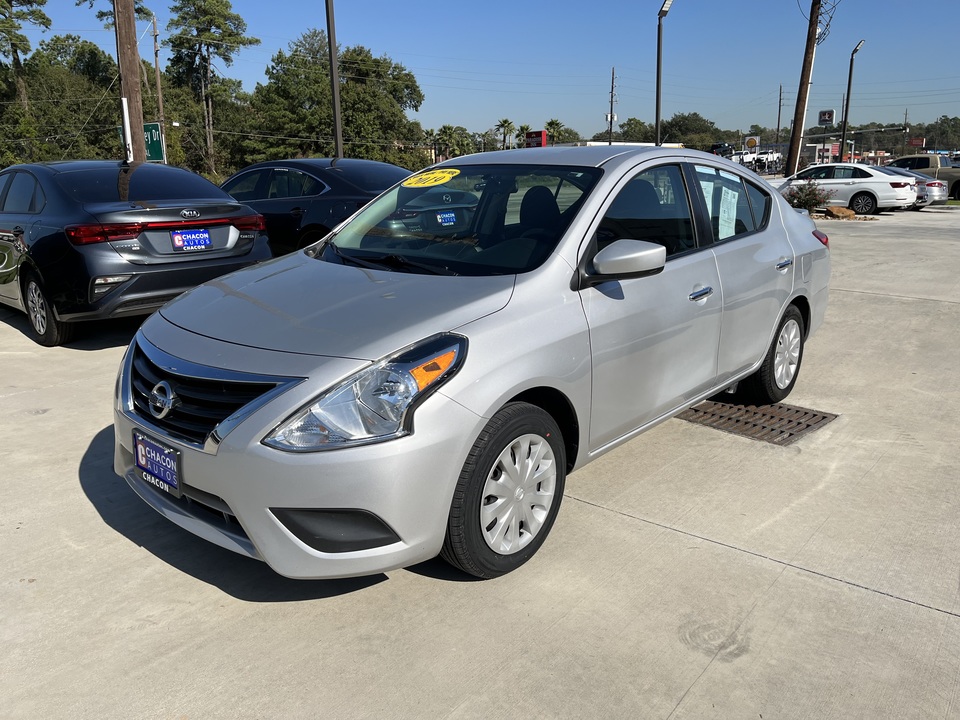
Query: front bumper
{"type": "Point", "coordinates": [340, 513]}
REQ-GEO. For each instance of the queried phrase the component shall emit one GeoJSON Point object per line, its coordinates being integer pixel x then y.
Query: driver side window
{"type": "Point", "coordinates": [652, 206]}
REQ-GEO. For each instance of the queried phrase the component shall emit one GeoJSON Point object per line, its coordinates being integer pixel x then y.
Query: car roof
{"type": "Point", "coordinates": [313, 163]}
{"type": "Point", "coordinates": [590, 156]}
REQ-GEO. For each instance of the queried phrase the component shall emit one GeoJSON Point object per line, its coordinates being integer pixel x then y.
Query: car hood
{"type": "Point", "coordinates": [298, 304]}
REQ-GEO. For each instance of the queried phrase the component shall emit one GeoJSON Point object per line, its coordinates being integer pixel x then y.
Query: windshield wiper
{"type": "Point", "coordinates": [402, 262]}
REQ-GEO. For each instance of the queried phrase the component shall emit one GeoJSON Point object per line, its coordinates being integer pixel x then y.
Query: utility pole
{"type": "Point", "coordinates": [128, 58]}
{"type": "Point", "coordinates": [611, 117]}
{"type": "Point", "coordinates": [779, 110]}
{"type": "Point", "coordinates": [334, 82]}
{"type": "Point", "coordinates": [806, 73]}
{"type": "Point", "coordinates": [156, 67]}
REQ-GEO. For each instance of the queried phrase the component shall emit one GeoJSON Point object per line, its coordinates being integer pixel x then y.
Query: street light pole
{"type": "Point", "coordinates": [846, 106]}
{"type": "Point", "coordinates": [663, 13]}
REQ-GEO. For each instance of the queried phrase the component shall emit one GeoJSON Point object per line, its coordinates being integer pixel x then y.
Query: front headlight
{"type": "Point", "coordinates": [375, 404]}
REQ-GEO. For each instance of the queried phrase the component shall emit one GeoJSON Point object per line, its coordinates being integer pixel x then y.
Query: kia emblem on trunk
{"type": "Point", "coordinates": [189, 214]}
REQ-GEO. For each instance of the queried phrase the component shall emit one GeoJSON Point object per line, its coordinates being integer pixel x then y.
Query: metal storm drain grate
{"type": "Point", "coordinates": [777, 424]}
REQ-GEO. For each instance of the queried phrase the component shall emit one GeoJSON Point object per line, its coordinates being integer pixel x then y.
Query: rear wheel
{"type": "Point", "coordinates": [508, 494]}
{"type": "Point", "coordinates": [47, 330]}
{"type": "Point", "coordinates": [863, 204]}
{"type": "Point", "coordinates": [778, 373]}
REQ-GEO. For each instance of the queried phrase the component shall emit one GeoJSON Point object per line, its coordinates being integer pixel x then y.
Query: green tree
{"type": "Point", "coordinates": [521, 135]}
{"type": "Point", "coordinates": [14, 44]}
{"type": "Point", "coordinates": [293, 110]}
{"type": "Point", "coordinates": [454, 141]}
{"type": "Point", "coordinates": [691, 129]}
{"type": "Point", "coordinates": [506, 127]}
{"type": "Point", "coordinates": [204, 30]}
{"type": "Point", "coordinates": [633, 130]}
{"type": "Point", "coordinates": [553, 128]}
{"type": "Point", "coordinates": [140, 11]}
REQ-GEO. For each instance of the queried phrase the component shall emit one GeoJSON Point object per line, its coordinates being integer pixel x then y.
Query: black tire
{"type": "Point", "coordinates": [45, 327]}
{"type": "Point", "coordinates": [863, 204]}
{"type": "Point", "coordinates": [956, 190]}
{"type": "Point", "coordinates": [526, 435]}
{"type": "Point", "coordinates": [775, 378]}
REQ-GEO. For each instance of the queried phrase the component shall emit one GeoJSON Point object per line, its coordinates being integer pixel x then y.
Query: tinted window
{"type": "Point", "coordinates": [4, 179]}
{"type": "Point", "coordinates": [244, 187]}
{"type": "Point", "coordinates": [136, 183]}
{"type": "Point", "coordinates": [726, 200]}
{"type": "Point", "coordinates": [20, 195]}
{"type": "Point", "coordinates": [286, 183]}
{"type": "Point", "coordinates": [820, 172]}
{"type": "Point", "coordinates": [760, 204]}
{"type": "Point", "coordinates": [372, 178]}
{"type": "Point", "coordinates": [653, 207]}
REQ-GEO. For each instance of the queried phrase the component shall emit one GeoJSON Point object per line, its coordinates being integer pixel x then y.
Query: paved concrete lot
{"type": "Point", "coordinates": [691, 573]}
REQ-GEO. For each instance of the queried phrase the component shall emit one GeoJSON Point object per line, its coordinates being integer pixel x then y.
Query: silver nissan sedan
{"type": "Point", "coordinates": [422, 380]}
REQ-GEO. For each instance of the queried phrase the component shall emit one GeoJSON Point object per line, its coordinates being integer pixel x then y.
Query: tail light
{"type": "Point", "coordinates": [822, 237]}
{"type": "Point", "coordinates": [249, 222]}
{"type": "Point", "coordinates": [899, 184]}
{"type": "Point", "coordinates": [98, 233]}
{"type": "Point", "coordinates": [935, 184]}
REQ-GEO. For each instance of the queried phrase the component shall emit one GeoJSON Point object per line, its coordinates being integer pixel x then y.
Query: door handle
{"type": "Point", "coordinates": [784, 264]}
{"type": "Point", "coordinates": [701, 294]}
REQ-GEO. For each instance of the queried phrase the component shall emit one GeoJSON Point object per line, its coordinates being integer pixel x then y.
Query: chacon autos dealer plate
{"type": "Point", "coordinates": [157, 464]}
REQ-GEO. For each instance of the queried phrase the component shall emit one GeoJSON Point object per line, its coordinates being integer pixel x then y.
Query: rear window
{"type": "Point", "coordinates": [372, 178]}
{"type": "Point", "coordinates": [136, 183]}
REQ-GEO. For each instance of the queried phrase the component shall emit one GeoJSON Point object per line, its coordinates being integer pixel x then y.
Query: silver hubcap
{"type": "Point", "coordinates": [37, 308]}
{"type": "Point", "coordinates": [788, 354]}
{"type": "Point", "coordinates": [518, 494]}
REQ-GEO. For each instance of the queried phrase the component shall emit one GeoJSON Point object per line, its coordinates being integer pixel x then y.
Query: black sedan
{"type": "Point", "coordinates": [302, 200]}
{"type": "Point", "coordinates": [86, 239]}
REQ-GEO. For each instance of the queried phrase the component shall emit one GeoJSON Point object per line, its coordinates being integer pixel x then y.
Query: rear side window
{"type": "Point", "coordinates": [728, 201]}
{"type": "Point", "coordinates": [136, 183]}
{"type": "Point", "coordinates": [244, 187]}
{"type": "Point", "coordinates": [286, 183]}
{"type": "Point", "coordinates": [21, 197]}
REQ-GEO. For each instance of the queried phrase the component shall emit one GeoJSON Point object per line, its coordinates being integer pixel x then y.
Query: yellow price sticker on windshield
{"type": "Point", "coordinates": [430, 178]}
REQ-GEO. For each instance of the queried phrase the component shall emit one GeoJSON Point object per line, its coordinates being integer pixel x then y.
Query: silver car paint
{"type": "Point", "coordinates": [528, 333]}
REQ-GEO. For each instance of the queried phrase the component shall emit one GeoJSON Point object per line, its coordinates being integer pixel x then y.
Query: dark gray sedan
{"type": "Point", "coordinates": [84, 240]}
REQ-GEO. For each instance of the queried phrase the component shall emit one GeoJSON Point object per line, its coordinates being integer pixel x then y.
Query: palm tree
{"type": "Point", "coordinates": [553, 127]}
{"type": "Point", "coordinates": [507, 128]}
{"type": "Point", "coordinates": [522, 135]}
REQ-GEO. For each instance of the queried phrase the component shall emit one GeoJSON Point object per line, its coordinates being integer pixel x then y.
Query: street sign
{"type": "Point", "coordinates": [151, 136]}
{"type": "Point", "coordinates": [153, 141]}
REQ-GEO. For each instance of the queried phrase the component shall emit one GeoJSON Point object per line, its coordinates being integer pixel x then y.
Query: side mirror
{"type": "Point", "coordinates": [624, 259]}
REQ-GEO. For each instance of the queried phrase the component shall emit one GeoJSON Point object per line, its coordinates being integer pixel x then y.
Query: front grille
{"type": "Point", "coordinates": [202, 402]}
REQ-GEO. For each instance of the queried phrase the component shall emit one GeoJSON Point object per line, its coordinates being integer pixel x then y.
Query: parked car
{"type": "Point", "coordinates": [423, 380]}
{"type": "Point", "coordinates": [91, 239]}
{"type": "Point", "coordinates": [862, 188]}
{"type": "Point", "coordinates": [930, 191]}
{"type": "Point", "coordinates": [302, 200]}
{"type": "Point", "coordinates": [933, 165]}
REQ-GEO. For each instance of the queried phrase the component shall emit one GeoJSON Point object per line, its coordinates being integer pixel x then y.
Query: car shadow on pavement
{"type": "Point", "coordinates": [239, 576]}
{"type": "Point", "coordinates": [91, 335]}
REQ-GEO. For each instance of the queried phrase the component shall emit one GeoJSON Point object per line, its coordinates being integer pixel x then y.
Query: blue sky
{"type": "Point", "coordinates": [531, 61]}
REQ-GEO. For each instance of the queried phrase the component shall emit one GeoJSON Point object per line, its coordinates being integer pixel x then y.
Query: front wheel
{"type": "Point", "coordinates": [863, 204]}
{"type": "Point", "coordinates": [776, 377]}
{"type": "Point", "coordinates": [47, 330]}
{"type": "Point", "coordinates": [508, 494]}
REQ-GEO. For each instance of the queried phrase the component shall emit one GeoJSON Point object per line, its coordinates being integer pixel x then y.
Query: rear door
{"type": "Point", "coordinates": [22, 200]}
{"type": "Point", "coordinates": [755, 261]}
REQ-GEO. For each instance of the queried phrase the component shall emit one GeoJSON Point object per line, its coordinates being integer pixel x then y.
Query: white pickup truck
{"type": "Point", "coordinates": [753, 158]}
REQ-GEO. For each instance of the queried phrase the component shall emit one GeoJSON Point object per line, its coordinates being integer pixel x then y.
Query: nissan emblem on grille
{"type": "Point", "coordinates": [189, 214]}
{"type": "Point", "coordinates": [162, 400]}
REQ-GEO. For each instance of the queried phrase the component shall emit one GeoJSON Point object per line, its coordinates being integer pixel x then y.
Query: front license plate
{"type": "Point", "coordinates": [185, 240]}
{"type": "Point", "coordinates": [157, 463]}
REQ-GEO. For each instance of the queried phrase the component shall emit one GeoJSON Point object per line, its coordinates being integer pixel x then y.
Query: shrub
{"type": "Point", "coordinates": [808, 196]}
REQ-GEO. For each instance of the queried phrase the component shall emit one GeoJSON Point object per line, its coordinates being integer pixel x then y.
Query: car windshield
{"type": "Point", "coordinates": [470, 220]}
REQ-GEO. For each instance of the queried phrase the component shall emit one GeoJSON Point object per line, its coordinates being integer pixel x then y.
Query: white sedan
{"type": "Point", "coordinates": [862, 188]}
